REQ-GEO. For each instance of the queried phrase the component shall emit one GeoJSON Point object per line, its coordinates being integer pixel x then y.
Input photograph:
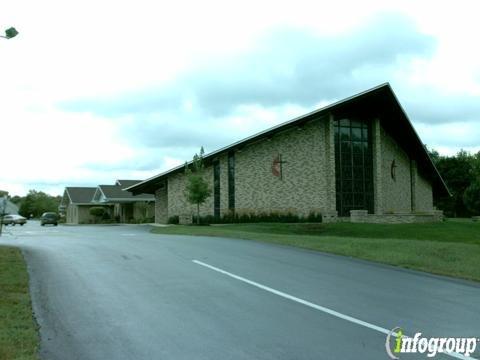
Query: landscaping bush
{"type": "Point", "coordinates": [174, 220]}
{"type": "Point", "coordinates": [273, 217]}
{"type": "Point", "coordinates": [97, 211]}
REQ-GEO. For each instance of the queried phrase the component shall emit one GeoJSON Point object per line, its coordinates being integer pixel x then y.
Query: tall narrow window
{"type": "Point", "coordinates": [353, 166]}
{"type": "Point", "coordinates": [216, 189]}
{"type": "Point", "coordinates": [231, 181]}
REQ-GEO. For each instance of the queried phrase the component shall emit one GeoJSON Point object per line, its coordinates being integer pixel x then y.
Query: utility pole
{"type": "Point", "coordinates": [3, 208]}
{"type": "Point", "coordinates": [9, 33]}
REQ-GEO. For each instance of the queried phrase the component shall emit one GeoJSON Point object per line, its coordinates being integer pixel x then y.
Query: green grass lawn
{"type": "Point", "coordinates": [449, 248]}
{"type": "Point", "coordinates": [18, 331]}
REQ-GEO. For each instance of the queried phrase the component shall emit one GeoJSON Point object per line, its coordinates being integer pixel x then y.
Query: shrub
{"type": "Point", "coordinates": [97, 211]}
{"type": "Point", "coordinates": [272, 217]}
{"type": "Point", "coordinates": [471, 198]}
{"type": "Point", "coordinates": [174, 220]}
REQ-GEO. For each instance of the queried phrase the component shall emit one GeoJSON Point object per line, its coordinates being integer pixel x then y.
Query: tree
{"type": "Point", "coordinates": [476, 165]}
{"type": "Point", "coordinates": [471, 197]}
{"type": "Point", "coordinates": [10, 33]}
{"type": "Point", "coordinates": [97, 212]}
{"type": "Point", "coordinates": [458, 173]}
{"type": "Point", "coordinates": [37, 202]}
{"type": "Point", "coordinates": [197, 190]}
{"type": "Point", "coordinates": [143, 208]}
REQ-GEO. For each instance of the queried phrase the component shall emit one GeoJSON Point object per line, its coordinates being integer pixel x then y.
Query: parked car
{"type": "Point", "coordinates": [14, 220]}
{"type": "Point", "coordinates": [49, 218]}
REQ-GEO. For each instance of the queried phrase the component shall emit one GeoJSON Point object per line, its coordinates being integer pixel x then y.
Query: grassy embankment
{"type": "Point", "coordinates": [449, 248]}
{"type": "Point", "coordinates": [18, 331]}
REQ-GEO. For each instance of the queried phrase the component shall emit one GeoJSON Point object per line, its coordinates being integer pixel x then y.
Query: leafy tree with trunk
{"type": "Point", "coordinates": [460, 172]}
{"type": "Point", "coordinates": [471, 197]}
{"type": "Point", "coordinates": [38, 202]}
{"type": "Point", "coordinates": [197, 190]}
{"type": "Point", "coordinates": [97, 212]}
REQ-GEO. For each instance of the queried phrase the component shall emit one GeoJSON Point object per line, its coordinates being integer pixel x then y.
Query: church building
{"type": "Point", "coordinates": [359, 158]}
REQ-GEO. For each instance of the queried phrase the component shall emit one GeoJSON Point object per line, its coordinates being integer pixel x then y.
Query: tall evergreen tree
{"type": "Point", "coordinates": [197, 190]}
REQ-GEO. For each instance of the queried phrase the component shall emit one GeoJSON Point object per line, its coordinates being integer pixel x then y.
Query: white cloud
{"type": "Point", "coordinates": [102, 49]}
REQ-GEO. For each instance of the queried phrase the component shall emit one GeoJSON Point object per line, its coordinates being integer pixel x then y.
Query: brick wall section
{"type": "Point", "coordinates": [308, 181]}
{"type": "Point", "coordinates": [83, 214]}
{"type": "Point", "coordinates": [303, 187]}
{"type": "Point", "coordinates": [361, 216]}
{"type": "Point", "coordinates": [161, 206]}
{"type": "Point", "coordinates": [177, 202]}
{"type": "Point", "coordinates": [396, 193]}
{"type": "Point", "coordinates": [307, 175]}
{"type": "Point", "coordinates": [423, 194]}
{"type": "Point", "coordinates": [79, 214]}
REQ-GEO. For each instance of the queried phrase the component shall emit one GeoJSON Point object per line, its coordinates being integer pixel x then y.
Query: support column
{"type": "Point", "coordinates": [377, 166]}
{"type": "Point", "coordinates": [161, 204]}
{"type": "Point", "coordinates": [331, 205]}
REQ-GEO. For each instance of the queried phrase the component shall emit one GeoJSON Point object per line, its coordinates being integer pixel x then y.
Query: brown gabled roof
{"type": "Point", "coordinates": [80, 195]}
{"type": "Point", "coordinates": [115, 193]}
{"type": "Point", "coordinates": [379, 102]}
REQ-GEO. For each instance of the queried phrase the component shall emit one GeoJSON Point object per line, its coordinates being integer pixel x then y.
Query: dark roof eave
{"type": "Point", "coordinates": [149, 185]}
{"type": "Point", "coordinates": [437, 179]}
{"type": "Point", "coordinates": [144, 185]}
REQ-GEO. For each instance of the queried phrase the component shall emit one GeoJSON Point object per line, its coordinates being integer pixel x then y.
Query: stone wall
{"type": "Point", "coordinates": [395, 194]}
{"type": "Point", "coordinates": [306, 173]}
{"type": "Point", "coordinates": [161, 205]}
{"type": "Point", "coordinates": [83, 214]}
{"type": "Point", "coordinates": [177, 202]}
{"type": "Point", "coordinates": [307, 183]}
{"type": "Point", "coordinates": [79, 214]}
{"type": "Point", "coordinates": [423, 194]}
{"type": "Point", "coordinates": [362, 216]}
{"type": "Point", "coordinates": [396, 191]}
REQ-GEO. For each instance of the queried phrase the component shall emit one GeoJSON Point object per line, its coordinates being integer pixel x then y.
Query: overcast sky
{"type": "Point", "coordinates": [93, 91]}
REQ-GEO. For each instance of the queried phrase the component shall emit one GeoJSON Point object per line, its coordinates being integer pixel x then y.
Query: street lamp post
{"type": "Point", "coordinates": [10, 33]}
{"type": "Point", "coordinates": [3, 208]}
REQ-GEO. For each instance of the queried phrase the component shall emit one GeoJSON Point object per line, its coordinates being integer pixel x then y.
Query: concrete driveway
{"type": "Point", "coordinates": [119, 292]}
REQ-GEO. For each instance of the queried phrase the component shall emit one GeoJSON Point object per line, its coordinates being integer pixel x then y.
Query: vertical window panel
{"type": "Point", "coordinates": [354, 175]}
{"type": "Point", "coordinates": [216, 189]}
{"type": "Point", "coordinates": [231, 181]}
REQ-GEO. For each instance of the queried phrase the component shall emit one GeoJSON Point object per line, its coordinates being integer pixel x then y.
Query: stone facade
{"type": "Point", "coordinates": [79, 214]}
{"type": "Point", "coordinates": [306, 174]}
{"type": "Point", "coordinates": [361, 216]}
{"type": "Point", "coordinates": [161, 205]}
{"type": "Point", "coordinates": [306, 184]}
{"type": "Point", "coordinates": [398, 185]}
{"type": "Point", "coordinates": [307, 181]}
{"type": "Point", "coordinates": [396, 181]}
{"type": "Point", "coordinates": [423, 194]}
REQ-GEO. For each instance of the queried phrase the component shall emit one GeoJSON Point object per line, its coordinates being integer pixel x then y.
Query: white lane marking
{"type": "Point", "coordinates": [315, 306]}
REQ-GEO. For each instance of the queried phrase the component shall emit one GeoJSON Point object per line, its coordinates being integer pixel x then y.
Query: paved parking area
{"type": "Point", "coordinates": [119, 292]}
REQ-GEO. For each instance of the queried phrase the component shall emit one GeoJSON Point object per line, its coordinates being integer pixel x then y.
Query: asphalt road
{"type": "Point", "coordinates": [119, 292]}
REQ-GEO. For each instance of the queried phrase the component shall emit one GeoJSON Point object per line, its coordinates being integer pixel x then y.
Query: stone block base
{"type": "Point", "coordinates": [362, 216]}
